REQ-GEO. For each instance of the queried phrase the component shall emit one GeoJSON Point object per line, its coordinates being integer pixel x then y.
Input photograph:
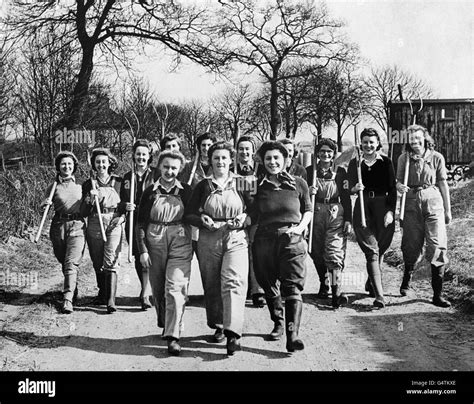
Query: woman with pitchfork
{"type": "Point", "coordinates": [377, 184]}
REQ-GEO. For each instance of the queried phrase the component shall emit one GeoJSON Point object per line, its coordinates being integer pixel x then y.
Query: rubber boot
{"type": "Point", "coordinates": [323, 282]}
{"type": "Point", "coordinates": [293, 309]}
{"type": "Point", "coordinates": [70, 280]}
{"type": "Point", "coordinates": [375, 277]}
{"type": "Point", "coordinates": [110, 290]}
{"type": "Point", "coordinates": [100, 299]}
{"type": "Point", "coordinates": [405, 286]}
{"type": "Point", "coordinates": [437, 274]}
{"type": "Point", "coordinates": [338, 298]}
{"type": "Point", "coordinates": [275, 306]}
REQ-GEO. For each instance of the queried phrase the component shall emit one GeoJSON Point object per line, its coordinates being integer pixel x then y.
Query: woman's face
{"type": "Point", "coordinates": [221, 161]}
{"type": "Point", "coordinates": [417, 141]}
{"type": "Point", "coordinates": [66, 167]}
{"type": "Point", "coordinates": [369, 145]}
{"type": "Point", "coordinates": [169, 169]}
{"type": "Point", "coordinates": [245, 151]}
{"type": "Point", "coordinates": [325, 154]}
{"type": "Point", "coordinates": [204, 147]}
{"type": "Point", "coordinates": [274, 162]}
{"type": "Point", "coordinates": [141, 156]}
{"type": "Point", "coordinates": [102, 164]}
{"type": "Point", "coordinates": [172, 145]}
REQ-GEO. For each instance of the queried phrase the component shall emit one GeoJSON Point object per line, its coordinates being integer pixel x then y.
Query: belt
{"type": "Point", "coordinates": [166, 223]}
{"type": "Point", "coordinates": [222, 220]}
{"type": "Point", "coordinates": [418, 188]}
{"type": "Point", "coordinates": [104, 210]}
{"type": "Point", "coordinates": [274, 227]}
{"type": "Point", "coordinates": [327, 200]}
{"type": "Point", "coordinates": [68, 216]}
{"type": "Point", "coordinates": [373, 194]}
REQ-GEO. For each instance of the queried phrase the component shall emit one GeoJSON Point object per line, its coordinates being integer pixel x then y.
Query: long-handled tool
{"type": "Point", "coordinates": [132, 191]}
{"type": "Point", "coordinates": [313, 197]}
{"type": "Point", "coordinates": [46, 210]}
{"type": "Point", "coordinates": [96, 200]}
{"type": "Point", "coordinates": [407, 163]}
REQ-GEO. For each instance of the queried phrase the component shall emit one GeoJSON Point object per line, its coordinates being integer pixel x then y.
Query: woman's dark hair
{"type": "Point", "coordinates": [172, 154]}
{"type": "Point", "coordinates": [271, 145]}
{"type": "Point", "coordinates": [221, 145]}
{"type": "Point", "coordinates": [169, 138]}
{"type": "Point", "coordinates": [143, 143]}
{"type": "Point", "coordinates": [247, 138]}
{"type": "Point", "coordinates": [102, 151]}
{"type": "Point", "coordinates": [325, 141]}
{"type": "Point", "coordinates": [429, 141]}
{"type": "Point", "coordinates": [289, 141]}
{"type": "Point", "coordinates": [204, 136]}
{"type": "Point", "coordinates": [371, 132]}
{"type": "Point", "coordinates": [64, 154]}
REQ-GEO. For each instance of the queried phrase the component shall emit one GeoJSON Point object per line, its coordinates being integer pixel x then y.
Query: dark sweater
{"type": "Point", "coordinates": [285, 204]}
{"type": "Point", "coordinates": [379, 178]}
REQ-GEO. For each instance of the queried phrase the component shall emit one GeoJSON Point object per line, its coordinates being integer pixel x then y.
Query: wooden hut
{"type": "Point", "coordinates": [449, 121]}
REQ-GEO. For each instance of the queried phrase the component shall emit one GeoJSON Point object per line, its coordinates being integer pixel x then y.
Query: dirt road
{"type": "Point", "coordinates": [409, 334]}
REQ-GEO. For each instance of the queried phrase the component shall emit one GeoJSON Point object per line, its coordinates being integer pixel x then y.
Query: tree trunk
{"type": "Point", "coordinates": [273, 110]}
{"type": "Point", "coordinates": [79, 96]}
{"type": "Point", "coordinates": [339, 138]}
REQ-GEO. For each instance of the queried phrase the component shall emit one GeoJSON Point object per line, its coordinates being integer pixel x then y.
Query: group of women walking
{"type": "Point", "coordinates": [247, 220]}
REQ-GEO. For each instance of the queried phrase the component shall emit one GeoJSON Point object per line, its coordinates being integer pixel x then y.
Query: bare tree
{"type": "Point", "coordinates": [233, 107]}
{"type": "Point", "coordinates": [347, 99]}
{"type": "Point", "coordinates": [44, 74]}
{"type": "Point", "coordinates": [114, 29]}
{"type": "Point", "coordinates": [268, 36]}
{"type": "Point", "coordinates": [382, 87]}
{"type": "Point", "coordinates": [6, 88]}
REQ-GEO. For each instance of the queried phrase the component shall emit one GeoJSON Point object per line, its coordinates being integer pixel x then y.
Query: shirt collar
{"type": "Point", "coordinates": [177, 184]}
{"type": "Point", "coordinates": [284, 177]}
{"type": "Point", "coordinates": [230, 179]}
{"type": "Point", "coordinates": [377, 157]}
{"type": "Point", "coordinates": [69, 179]}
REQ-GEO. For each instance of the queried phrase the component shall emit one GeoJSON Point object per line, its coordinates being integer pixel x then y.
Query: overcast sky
{"type": "Point", "coordinates": [433, 39]}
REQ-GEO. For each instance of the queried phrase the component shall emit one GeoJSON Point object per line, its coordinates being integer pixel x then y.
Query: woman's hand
{"type": "Point", "coordinates": [46, 202]}
{"type": "Point", "coordinates": [297, 230]}
{"type": "Point", "coordinates": [313, 190]}
{"type": "Point", "coordinates": [347, 228]}
{"type": "Point", "coordinates": [447, 217]}
{"type": "Point", "coordinates": [117, 221]}
{"type": "Point", "coordinates": [238, 222]}
{"type": "Point", "coordinates": [145, 260]}
{"type": "Point", "coordinates": [402, 188]}
{"type": "Point", "coordinates": [388, 218]}
{"type": "Point", "coordinates": [357, 187]}
{"type": "Point", "coordinates": [129, 206]}
{"type": "Point", "coordinates": [207, 222]}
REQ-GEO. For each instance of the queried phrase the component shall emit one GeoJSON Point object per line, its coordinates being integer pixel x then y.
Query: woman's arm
{"type": "Point", "coordinates": [444, 189]}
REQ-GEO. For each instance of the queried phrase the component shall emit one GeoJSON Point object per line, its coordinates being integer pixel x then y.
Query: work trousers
{"type": "Point", "coordinates": [224, 264]}
{"type": "Point", "coordinates": [170, 250]}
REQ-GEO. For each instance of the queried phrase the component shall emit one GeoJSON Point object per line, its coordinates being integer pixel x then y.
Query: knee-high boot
{"type": "Point", "coordinates": [293, 309]}
{"type": "Point", "coordinates": [437, 274]}
{"type": "Point", "coordinates": [375, 277]}
{"type": "Point", "coordinates": [110, 290]}
{"type": "Point", "coordinates": [407, 273]}
{"type": "Point", "coordinates": [338, 298]}
{"type": "Point", "coordinates": [275, 306]}
{"type": "Point", "coordinates": [70, 280]}
{"type": "Point", "coordinates": [100, 276]}
{"type": "Point", "coordinates": [323, 281]}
